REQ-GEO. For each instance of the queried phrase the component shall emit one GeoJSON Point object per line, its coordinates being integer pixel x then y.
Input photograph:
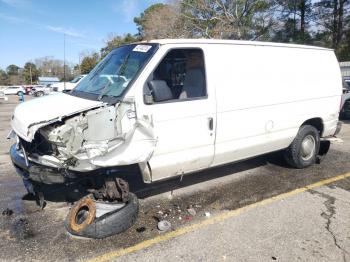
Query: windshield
{"type": "Point", "coordinates": [114, 73]}
{"type": "Point", "coordinates": [76, 79]}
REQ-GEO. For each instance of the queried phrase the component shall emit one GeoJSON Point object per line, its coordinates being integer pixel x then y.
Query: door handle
{"type": "Point", "coordinates": [211, 123]}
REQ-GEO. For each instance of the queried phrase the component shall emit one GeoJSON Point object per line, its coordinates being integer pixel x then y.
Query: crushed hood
{"type": "Point", "coordinates": [29, 116]}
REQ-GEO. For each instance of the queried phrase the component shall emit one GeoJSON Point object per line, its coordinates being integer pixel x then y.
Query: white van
{"type": "Point", "coordinates": [172, 107]}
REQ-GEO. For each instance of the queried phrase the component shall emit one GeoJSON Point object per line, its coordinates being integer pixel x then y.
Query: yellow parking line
{"type": "Point", "coordinates": [212, 220]}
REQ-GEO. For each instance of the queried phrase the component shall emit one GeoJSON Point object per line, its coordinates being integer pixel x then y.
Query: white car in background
{"type": "Point", "coordinates": [14, 90]}
{"type": "Point", "coordinates": [40, 90]}
{"type": "Point", "coordinates": [67, 86]}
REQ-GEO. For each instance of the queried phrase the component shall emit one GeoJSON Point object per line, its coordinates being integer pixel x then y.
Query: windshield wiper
{"type": "Point", "coordinates": [104, 91]}
{"type": "Point", "coordinates": [121, 69]}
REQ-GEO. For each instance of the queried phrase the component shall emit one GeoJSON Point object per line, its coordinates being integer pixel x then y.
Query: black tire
{"type": "Point", "coordinates": [40, 93]}
{"type": "Point", "coordinates": [111, 223]}
{"type": "Point", "coordinates": [295, 156]}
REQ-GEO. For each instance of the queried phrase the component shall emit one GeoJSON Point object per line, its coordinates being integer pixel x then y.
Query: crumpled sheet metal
{"type": "Point", "coordinates": [138, 146]}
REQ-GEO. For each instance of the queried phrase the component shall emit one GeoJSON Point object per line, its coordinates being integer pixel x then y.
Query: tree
{"type": "Point", "coordinates": [140, 20]}
{"type": "Point", "coordinates": [344, 49]}
{"type": "Point", "coordinates": [116, 41]}
{"type": "Point", "coordinates": [333, 21]}
{"type": "Point", "coordinates": [48, 66]}
{"type": "Point", "coordinates": [229, 19]}
{"type": "Point", "coordinates": [15, 75]}
{"type": "Point", "coordinates": [232, 19]}
{"type": "Point", "coordinates": [4, 79]}
{"type": "Point", "coordinates": [294, 17]}
{"type": "Point", "coordinates": [12, 70]}
{"type": "Point", "coordinates": [31, 73]}
{"type": "Point", "coordinates": [89, 62]}
{"type": "Point", "coordinates": [162, 21]}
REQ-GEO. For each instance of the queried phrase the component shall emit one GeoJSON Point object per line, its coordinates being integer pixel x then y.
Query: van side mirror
{"type": "Point", "coordinates": [159, 91]}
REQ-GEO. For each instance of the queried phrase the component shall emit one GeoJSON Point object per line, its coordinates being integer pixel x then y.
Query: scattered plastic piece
{"type": "Point", "coordinates": [7, 212]}
{"type": "Point", "coordinates": [207, 214]}
{"type": "Point", "coordinates": [188, 218]}
{"type": "Point", "coordinates": [164, 225]}
{"type": "Point", "coordinates": [191, 211]}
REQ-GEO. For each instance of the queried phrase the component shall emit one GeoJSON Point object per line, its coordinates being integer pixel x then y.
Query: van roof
{"type": "Point", "coordinates": [231, 42]}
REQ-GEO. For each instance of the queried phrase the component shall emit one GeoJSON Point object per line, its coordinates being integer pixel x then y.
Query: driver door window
{"type": "Point", "coordinates": [179, 76]}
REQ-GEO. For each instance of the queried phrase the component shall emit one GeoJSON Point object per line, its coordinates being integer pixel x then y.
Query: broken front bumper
{"type": "Point", "coordinates": [46, 175]}
{"type": "Point", "coordinates": [38, 173]}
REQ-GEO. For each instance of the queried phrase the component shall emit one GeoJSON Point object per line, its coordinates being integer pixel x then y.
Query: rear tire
{"type": "Point", "coordinates": [304, 149]}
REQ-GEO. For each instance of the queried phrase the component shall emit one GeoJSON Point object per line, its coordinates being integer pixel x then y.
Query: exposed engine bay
{"type": "Point", "coordinates": [107, 136]}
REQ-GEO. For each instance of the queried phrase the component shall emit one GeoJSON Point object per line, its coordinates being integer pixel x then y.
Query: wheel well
{"type": "Point", "coordinates": [315, 122]}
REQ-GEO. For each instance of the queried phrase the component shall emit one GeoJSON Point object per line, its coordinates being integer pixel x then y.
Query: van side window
{"type": "Point", "coordinates": [179, 76]}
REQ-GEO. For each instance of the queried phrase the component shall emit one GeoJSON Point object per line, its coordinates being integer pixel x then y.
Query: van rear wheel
{"type": "Point", "coordinates": [304, 148]}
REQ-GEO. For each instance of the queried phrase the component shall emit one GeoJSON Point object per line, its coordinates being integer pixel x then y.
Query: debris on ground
{"type": "Point", "coordinates": [207, 214]}
{"type": "Point", "coordinates": [187, 218]}
{"type": "Point", "coordinates": [7, 212]}
{"type": "Point", "coordinates": [177, 207]}
{"type": "Point", "coordinates": [140, 229]}
{"type": "Point", "coordinates": [164, 225]}
{"type": "Point", "coordinates": [336, 140]}
{"type": "Point", "coordinates": [191, 211]}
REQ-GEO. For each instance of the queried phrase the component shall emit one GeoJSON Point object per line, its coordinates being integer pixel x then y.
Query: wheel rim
{"type": "Point", "coordinates": [308, 146]}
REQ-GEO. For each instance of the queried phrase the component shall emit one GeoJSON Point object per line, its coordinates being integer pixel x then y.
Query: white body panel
{"type": "Point", "coordinates": [259, 96]}
{"type": "Point", "coordinates": [264, 94]}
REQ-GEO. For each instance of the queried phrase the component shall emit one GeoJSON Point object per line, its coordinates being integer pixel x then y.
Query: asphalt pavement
{"type": "Point", "coordinates": [255, 210]}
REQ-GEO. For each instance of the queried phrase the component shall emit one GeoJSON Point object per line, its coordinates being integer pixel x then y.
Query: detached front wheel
{"type": "Point", "coordinates": [92, 219]}
{"type": "Point", "coordinates": [303, 151]}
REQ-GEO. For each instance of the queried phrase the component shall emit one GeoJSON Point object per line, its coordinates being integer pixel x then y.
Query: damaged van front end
{"type": "Point", "coordinates": [94, 137]}
{"type": "Point", "coordinates": [67, 136]}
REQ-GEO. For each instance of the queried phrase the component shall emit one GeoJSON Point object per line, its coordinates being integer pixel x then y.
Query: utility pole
{"type": "Point", "coordinates": [79, 65]}
{"type": "Point", "coordinates": [64, 60]}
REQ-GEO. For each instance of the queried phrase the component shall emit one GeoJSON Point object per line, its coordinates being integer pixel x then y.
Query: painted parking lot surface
{"type": "Point", "coordinates": [255, 209]}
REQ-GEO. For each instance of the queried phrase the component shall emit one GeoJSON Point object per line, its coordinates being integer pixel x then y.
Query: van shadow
{"type": "Point", "coordinates": [75, 191]}
{"type": "Point", "coordinates": [147, 190]}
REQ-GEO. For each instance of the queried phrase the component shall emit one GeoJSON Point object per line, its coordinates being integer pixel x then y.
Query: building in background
{"type": "Point", "coordinates": [345, 69]}
{"type": "Point", "coordinates": [45, 80]}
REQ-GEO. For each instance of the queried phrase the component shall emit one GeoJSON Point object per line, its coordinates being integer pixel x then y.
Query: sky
{"type": "Point", "coordinates": [31, 29]}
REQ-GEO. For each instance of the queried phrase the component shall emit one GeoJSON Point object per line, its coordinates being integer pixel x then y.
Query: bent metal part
{"type": "Point", "coordinates": [91, 138]}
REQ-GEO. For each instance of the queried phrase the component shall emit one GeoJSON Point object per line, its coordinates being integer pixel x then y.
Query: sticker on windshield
{"type": "Point", "coordinates": [142, 48]}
